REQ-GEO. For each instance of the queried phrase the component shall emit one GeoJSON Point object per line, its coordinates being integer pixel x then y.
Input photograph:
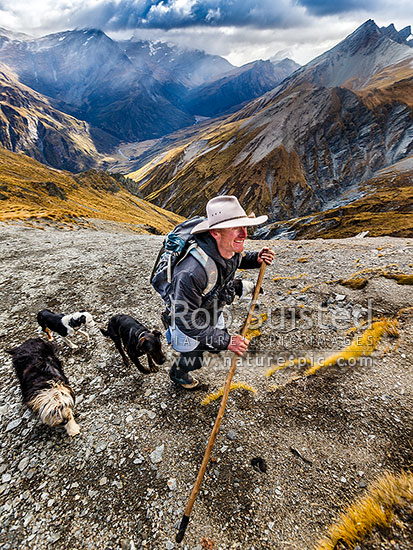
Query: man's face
{"type": "Point", "coordinates": [230, 240]}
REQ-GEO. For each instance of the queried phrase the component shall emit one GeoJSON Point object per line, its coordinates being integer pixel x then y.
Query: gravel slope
{"type": "Point", "coordinates": [124, 481]}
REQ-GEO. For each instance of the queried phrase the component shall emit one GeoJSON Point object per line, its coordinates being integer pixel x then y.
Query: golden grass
{"type": "Point", "coordinates": [300, 361]}
{"type": "Point", "coordinates": [290, 278]}
{"type": "Point", "coordinates": [36, 193]}
{"type": "Point", "coordinates": [360, 346]}
{"type": "Point", "coordinates": [252, 333]}
{"type": "Point", "coordinates": [304, 289]}
{"type": "Point", "coordinates": [258, 320]}
{"type": "Point", "coordinates": [356, 284]}
{"type": "Point", "coordinates": [373, 271]}
{"type": "Point", "coordinates": [374, 510]}
{"type": "Point", "coordinates": [234, 386]}
{"type": "Point", "coordinates": [400, 278]}
{"type": "Point", "coordinates": [255, 325]}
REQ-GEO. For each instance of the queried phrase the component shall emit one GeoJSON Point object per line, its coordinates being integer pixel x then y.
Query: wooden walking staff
{"type": "Point", "coordinates": [185, 519]}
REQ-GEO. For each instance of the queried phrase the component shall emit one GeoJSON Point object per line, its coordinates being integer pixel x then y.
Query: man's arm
{"type": "Point", "coordinates": [189, 316]}
{"type": "Point", "coordinates": [253, 260]}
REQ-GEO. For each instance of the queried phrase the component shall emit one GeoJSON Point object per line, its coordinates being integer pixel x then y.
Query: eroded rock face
{"type": "Point", "coordinates": [293, 158]}
{"type": "Point", "coordinates": [31, 125]}
{"type": "Point", "coordinates": [300, 147]}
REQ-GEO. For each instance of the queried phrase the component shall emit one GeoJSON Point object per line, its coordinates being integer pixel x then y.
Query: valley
{"type": "Point", "coordinates": [106, 144]}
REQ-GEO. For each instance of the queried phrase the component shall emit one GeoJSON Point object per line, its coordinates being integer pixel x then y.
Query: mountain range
{"type": "Point", "coordinates": [129, 90]}
{"type": "Point", "coordinates": [299, 148]}
{"type": "Point", "coordinates": [293, 142]}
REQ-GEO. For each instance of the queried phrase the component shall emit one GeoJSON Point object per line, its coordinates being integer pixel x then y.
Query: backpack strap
{"type": "Point", "coordinates": [208, 264]}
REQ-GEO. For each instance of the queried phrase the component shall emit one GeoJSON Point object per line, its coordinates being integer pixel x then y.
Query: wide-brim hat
{"type": "Point", "coordinates": [225, 211]}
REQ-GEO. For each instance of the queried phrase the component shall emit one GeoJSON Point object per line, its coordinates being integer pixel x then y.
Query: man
{"type": "Point", "coordinates": [197, 320]}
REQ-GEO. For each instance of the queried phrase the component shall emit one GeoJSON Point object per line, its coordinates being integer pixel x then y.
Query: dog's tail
{"type": "Point", "coordinates": [104, 332]}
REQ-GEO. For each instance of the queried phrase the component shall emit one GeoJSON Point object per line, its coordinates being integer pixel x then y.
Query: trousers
{"type": "Point", "coordinates": [192, 360]}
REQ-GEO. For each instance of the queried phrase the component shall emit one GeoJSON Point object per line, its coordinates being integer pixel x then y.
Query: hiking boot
{"type": "Point", "coordinates": [183, 378]}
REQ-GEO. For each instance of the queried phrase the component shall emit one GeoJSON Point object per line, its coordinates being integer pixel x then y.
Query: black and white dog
{"type": "Point", "coordinates": [45, 388]}
{"type": "Point", "coordinates": [244, 288]}
{"type": "Point", "coordinates": [137, 340]}
{"type": "Point", "coordinates": [64, 325]}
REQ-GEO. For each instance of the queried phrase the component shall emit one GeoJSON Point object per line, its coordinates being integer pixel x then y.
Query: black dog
{"type": "Point", "coordinates": [137, 341]}
{"type": "Point", "coordinates": [45, 388]}
{"type": "Point", "coordinates": [64, 325]}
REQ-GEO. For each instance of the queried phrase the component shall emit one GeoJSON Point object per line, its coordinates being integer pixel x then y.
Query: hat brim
{"type": "Point", "coordinates": [239, 222]}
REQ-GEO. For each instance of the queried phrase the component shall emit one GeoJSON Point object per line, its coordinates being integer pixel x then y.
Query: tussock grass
{"type": "Point", "coordinates": [360, 346]}
{"type": "Point", "coordinates": [290, 278]}
{"type": "Point", "coordinates": [355, 284]}
{"type": "Point", "coordinates": [252, 333]}
{"type": "Point", "coordinates": [255, 325]}
{"type": "Point", "coordinates": [400, 278]}
{"type": "Point", "coordinates": [258, 320]}
{"type": "Point", "coordinates": [374, 510]}
{"type": "Point", "coordinates": [298, 362]}
{"type": "Point", "coordinates": [306, 288]}
{"type": "Point", "coordinates": [356, 278]}
{"type": "Point", "coordinates": [234, 386]}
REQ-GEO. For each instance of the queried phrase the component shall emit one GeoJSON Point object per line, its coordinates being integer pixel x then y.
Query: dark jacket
{"type": "Point", "coordinates": [196, 315]}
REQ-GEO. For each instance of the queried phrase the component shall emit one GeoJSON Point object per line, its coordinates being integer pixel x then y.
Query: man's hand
{"type": "Point", "coordinates": [238, 345]}
{"type": "Point", "coordinates": [265, 255]}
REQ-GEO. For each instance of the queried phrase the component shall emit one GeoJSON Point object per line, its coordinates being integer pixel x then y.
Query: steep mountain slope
{"type": "Point", "coordinates": [297, 149]}
{"type": "Point", "coordinates": [35, 194]}
{"type": "Point", "coordinates": [353, 61]}
{"type": "Point", "coordinates": [167, 62]}
{"type": "Point", "coordinates": [132, 90]}
{"type": "Point", "coordinates": [385, 207]}
{"type": "Point", "coordinates": [288, 160]}
{"type": "Point", "coordinates": [203, 84]}
{"type": "Point", "coordinates": [239, 86]}
{"type": "Point", "coordinates": [28, 123]}
{"type": "Point", "coordinates": [89, 77]}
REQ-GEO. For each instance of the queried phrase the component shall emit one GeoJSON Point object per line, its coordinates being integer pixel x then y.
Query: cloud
{"type": "Point", "coordinates": [116, 15]}
{"type": "Point", "coordinates": [241, 30]}
{"type": "Point", "coordinates": [328, 7]}
{"type": "Point", "coordinates": [241, 45]}
{"type": "Point", "coordinates": [168, 14]}
{"type": "Point", "coordinates": [160, 14]}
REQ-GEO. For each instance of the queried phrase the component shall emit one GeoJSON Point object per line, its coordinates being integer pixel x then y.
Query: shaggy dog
{"type": "Point", "coordinates": [64, 325]}
{"type": "Point", "coordinates": [45, 388]}
{"type": "Point", "coordinates": [137, 341]}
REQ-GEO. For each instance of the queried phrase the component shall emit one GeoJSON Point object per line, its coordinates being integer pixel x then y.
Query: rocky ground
{"type": "Point", "coordinates": [124, 481]}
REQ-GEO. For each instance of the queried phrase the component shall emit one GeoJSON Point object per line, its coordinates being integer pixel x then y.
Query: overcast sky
{"type": "Point", "coordinates": [240, 30]}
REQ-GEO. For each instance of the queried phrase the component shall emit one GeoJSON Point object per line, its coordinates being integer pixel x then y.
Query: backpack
{"type": "Point", "coordinates": [176, 247]}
